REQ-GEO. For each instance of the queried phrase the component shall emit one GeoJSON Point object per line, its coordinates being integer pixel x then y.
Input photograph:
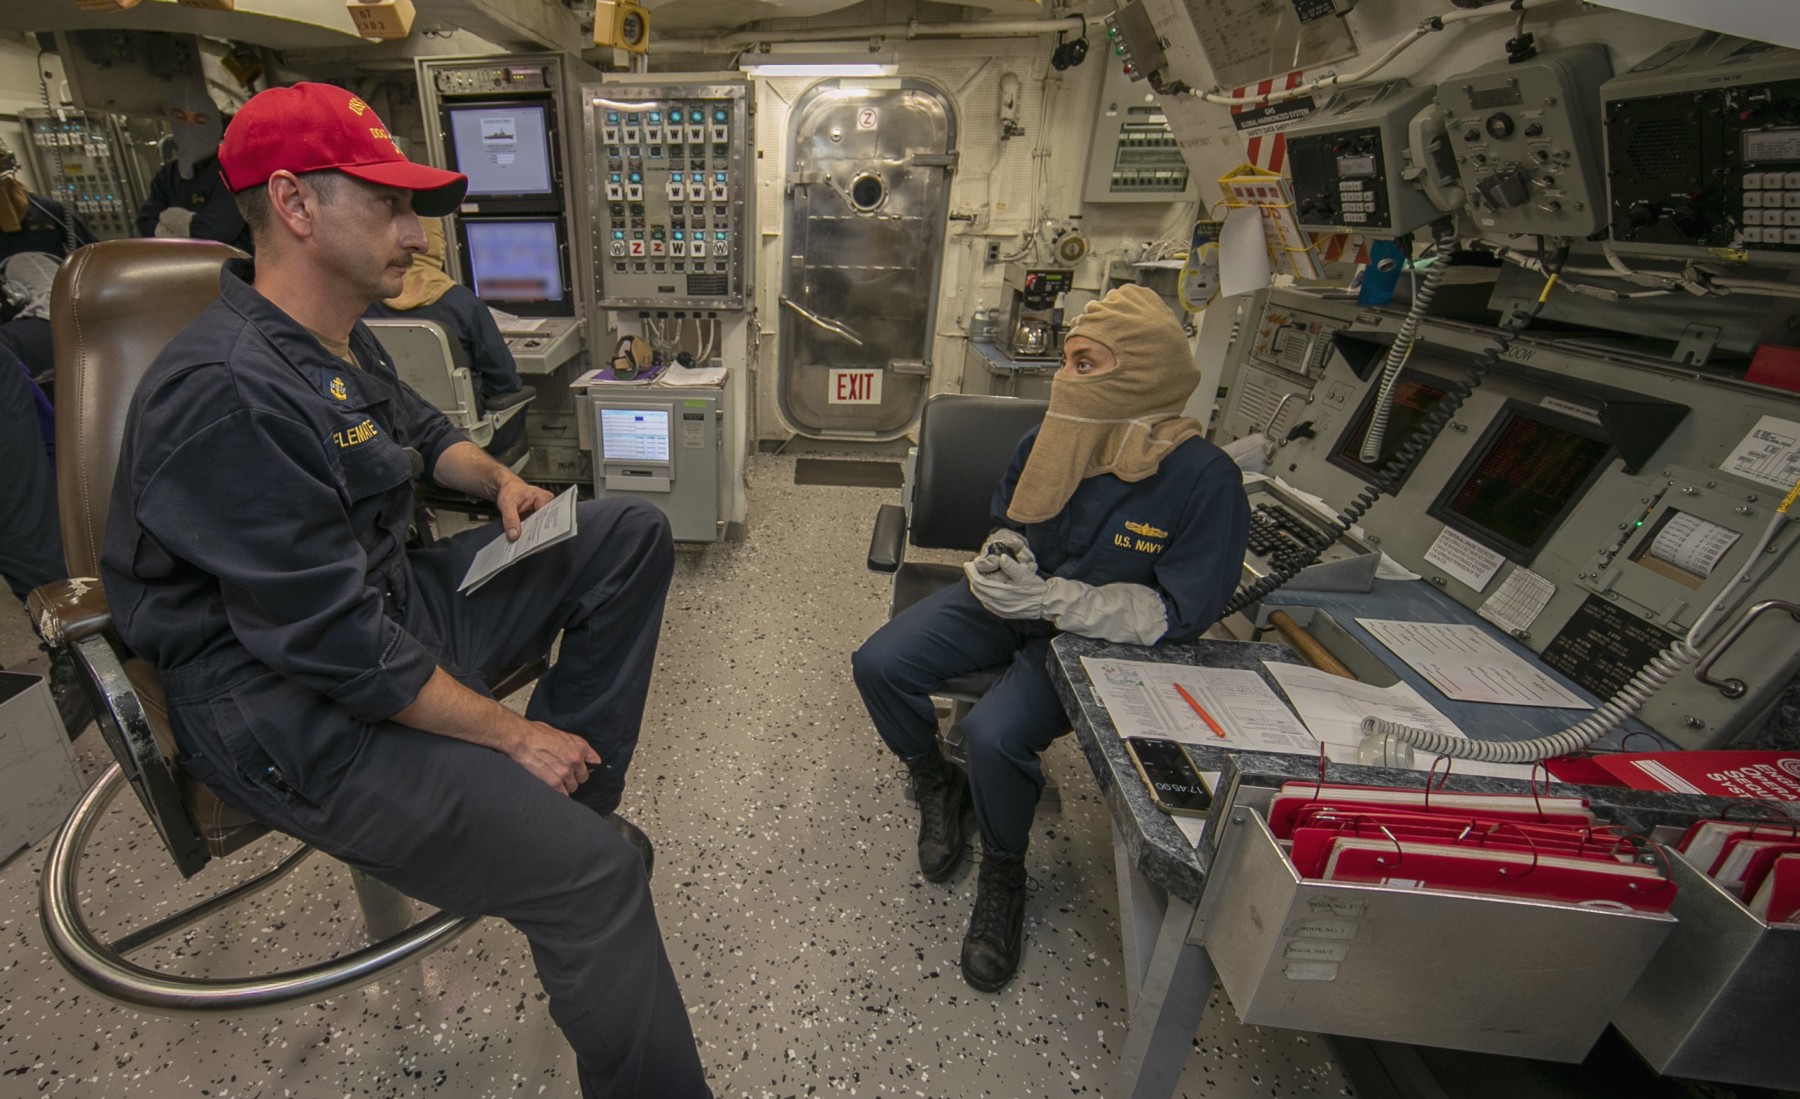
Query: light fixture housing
{"type": "Point", "coordinates": [820, 64]}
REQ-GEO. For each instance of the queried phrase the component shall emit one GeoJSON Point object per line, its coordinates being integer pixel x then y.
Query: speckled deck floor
{"type": "Point", "coordinates": [813, 958]}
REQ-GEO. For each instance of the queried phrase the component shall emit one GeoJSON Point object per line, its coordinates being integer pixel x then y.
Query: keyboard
{"type": "Point", "coordinates": [1282, 538]}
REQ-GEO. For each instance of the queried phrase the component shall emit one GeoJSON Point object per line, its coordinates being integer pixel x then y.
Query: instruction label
{"type": "Point", "coordinates": [1769, 455]}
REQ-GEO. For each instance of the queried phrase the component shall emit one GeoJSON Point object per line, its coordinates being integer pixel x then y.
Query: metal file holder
{"type": "Point", "coordinates": [1718, 1002]}
{"type": "Point", "coordinates": [1464, 971]}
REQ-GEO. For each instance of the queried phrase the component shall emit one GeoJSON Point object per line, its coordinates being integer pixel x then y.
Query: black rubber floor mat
{"type": "Point", "coordinates": [851, 474]}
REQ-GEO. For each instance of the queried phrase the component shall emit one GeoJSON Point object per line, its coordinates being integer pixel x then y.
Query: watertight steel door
{"type": "Point", "coordinates": [867, 201]}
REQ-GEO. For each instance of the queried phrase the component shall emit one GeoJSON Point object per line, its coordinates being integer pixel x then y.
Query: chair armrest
{"type": "Point", "coordinates": [68, 610]}
{"type": "Point", "coordinates": [503, 407]}
{"type": "Point", "coordinates": [499, 401]}
{"type": "Point", "coordinates": [887, 544]}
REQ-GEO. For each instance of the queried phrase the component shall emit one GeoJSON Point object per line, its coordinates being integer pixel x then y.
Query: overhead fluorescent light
{"type": "Point", "coordinates": [820, 64]}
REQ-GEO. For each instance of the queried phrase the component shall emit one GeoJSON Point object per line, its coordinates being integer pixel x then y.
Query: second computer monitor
{"type": "Point", "coordinates": [519, 265]}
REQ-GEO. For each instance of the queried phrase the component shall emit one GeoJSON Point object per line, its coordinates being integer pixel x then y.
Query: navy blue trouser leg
{"type": "Point", "coordinates": [31, 551]}
{"type": "Point", "coordinates": [468, 830]}
{"type": "Point", "coordinates": [947, 634]}
{"type": "Point", "coordinates": [603, 589]}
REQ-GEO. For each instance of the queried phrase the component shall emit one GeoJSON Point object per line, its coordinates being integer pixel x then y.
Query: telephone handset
{"type": "Point", "coordinates": [1433, 165]}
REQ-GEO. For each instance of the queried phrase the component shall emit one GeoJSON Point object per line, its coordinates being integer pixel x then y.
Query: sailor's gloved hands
{"type": "Point", "coordinates": [1006, 586]}
{"type": "Point", "coordinates": [1005, 542]}
{"type": "Point", "coordinates": [176, 221]}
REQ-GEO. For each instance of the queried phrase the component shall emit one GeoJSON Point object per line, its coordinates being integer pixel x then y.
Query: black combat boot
{"type": "Point", "coordinates": [990, 953]}
{"type": "Point", "coordinates": [942, 791]}
{"type": "Point", "coordinates": [635, 836]}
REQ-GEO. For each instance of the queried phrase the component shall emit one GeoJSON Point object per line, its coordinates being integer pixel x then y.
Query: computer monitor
{"type": "Point", "coordinates": [504, 148]}
{"type": "Point", "coordinates": [634, 435]}
{"type": "Point", "coordinates": [517, 264]}
{"type": "Point", "coordinates": [1415, 394]}
{"type": "Point", "coordinates": [1524, 476]}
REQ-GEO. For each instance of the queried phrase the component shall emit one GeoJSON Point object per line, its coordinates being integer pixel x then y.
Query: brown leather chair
{"type": "Point", "coordinates": [114, 306]}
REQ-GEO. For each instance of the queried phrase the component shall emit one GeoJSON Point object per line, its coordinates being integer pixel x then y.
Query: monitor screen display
{"type": "Point", "coordinates": [1522, 478]}
{"type": "Point", "coordinates": [515, 259]}
{"type": "Point", "coordinates": [504, 149]}
{"type": "Point", "coordinates": [1415, 395]}
{"type": "Point", "coordinates": [634, 434]}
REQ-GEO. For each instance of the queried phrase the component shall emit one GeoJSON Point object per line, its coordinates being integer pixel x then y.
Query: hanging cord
{"type": "Point", "coordinates": [1409, 451]}
{"type": "Point", "coordinates": [1423, 293]}
{"type": "Point", "coordinates": [1649, 679]}
{"type": "Point", "coordinates": [71, 240]}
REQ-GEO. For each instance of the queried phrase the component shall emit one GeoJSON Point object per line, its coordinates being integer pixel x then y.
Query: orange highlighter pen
{"type": "Point", "coordinates": [1204, 716]}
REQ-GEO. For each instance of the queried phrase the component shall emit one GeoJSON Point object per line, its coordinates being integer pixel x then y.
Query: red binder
{"type": "Point", "coordinates": [1508, 873]}
{"type": "Point", "coordinates": [1293, 797]}
{"type": "Point", "coordinates": [1777, 900]}
{"type": "Point", "coordinates": [1733, 869]}
{"type": "Point", "coordinates": [1317, 830]}
{"type": "Point", "coordinates": [1704, 841]}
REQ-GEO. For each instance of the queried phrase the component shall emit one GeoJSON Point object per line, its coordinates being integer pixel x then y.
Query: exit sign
{"type": "Point", "coordinates": [853, 387]}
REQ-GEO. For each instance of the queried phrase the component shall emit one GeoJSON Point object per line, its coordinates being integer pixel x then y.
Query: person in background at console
{"type": "Point", "coordinates": [1115, 521]}
{"type": "Point", "coordinates": [431, 295]}
{"type": "Point", "coordinates": [32, 222]}
{"type": "Point", "coordinates": [25, 282]}
{"type": "Point", "coordinates": [187, 197]}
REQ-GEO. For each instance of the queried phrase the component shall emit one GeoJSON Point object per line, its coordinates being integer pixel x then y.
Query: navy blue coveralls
{"type": "Point", "coordinates": [255, 555]}
{"type": "Point", "coordinates": [45, 227]}
{"type": "Point", "coordinates": [215, 210]}
{"type": "Point", "coordinates": [31, 551]}
{"type": "Point", "coordinates": [464, 317]}
{"type": "Point", "coordinates": [1180, 531]}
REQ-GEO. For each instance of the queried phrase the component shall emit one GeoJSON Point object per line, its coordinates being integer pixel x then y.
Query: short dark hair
{"type": "Point", "coordinates": [259, 214]}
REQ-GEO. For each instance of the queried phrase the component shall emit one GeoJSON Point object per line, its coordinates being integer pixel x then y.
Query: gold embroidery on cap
{"type": "Point", "coordinates": [357, 106]}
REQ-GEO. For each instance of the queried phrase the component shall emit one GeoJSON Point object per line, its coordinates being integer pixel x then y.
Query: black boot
{"type": "Point", "coordinates": [635, 836]}
{"type": "Point", "coordinates": [942, 791]}
{"type": "Point", "coordinates": [990, 954]}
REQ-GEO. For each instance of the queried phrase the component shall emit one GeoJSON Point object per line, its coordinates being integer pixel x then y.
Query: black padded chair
{"type": "Point", "coordinates": [114, 306]}
{"type": "Point", "coordinates": [965, 444]}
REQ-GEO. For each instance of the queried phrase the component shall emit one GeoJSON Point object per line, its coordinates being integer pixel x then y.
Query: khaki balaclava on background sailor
{"type": "Point", "coordinates": [1122, 422]}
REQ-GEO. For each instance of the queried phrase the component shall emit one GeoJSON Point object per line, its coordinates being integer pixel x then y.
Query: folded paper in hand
{"type": "Point", "coordinates": [541, 529]}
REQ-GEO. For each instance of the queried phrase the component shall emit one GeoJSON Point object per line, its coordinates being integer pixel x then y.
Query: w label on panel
{"type": "Point", "coordinates": [853, 387]}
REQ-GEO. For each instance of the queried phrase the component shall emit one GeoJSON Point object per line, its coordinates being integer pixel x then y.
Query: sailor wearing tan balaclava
{"type": "Point", "coordinates": [1117, 521]}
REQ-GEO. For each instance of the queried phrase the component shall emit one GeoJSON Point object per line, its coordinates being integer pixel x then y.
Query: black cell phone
{"type": "Point", "coordinates": [1174, 783]}
{"type": "Point", "coordinates": [1005, 549]}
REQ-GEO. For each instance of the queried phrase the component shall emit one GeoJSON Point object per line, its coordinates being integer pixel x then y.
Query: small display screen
{"type": "Point", "coordinates": [1356, 166]}
{"type": "Point", "coordinates": [634, 435]}
{"type": "Point", "coordinates": [504, 149]}
{"type": "Point", "coordinates": [515, 259]}
{"type": "Point", "coordinates": [1415, 395]}
{"type": "Point", "coordinates": [1524, 475]}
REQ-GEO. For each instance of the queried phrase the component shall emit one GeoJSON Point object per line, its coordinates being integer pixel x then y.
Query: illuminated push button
{"type": "Point", "coordinates": [696, 133]}
{"type": "Point", "coordinates": [615, 189]}
{"type": "Point", "coordinates": [610, 134]}
{"type": "Point", "coordinates": [720, 191]}
{"type": "Point", "coordinates": [696, 191]}
{"type": "Point", "coordinates": [676, 188]}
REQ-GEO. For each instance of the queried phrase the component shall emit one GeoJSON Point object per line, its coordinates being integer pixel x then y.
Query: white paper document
{"type": "Point", "coordinates": [1333, 708]}
{"type": "Point", "coordinates": [1209, 707]}
{"type": "Point", "coordinates": [1692, 544]}
{"type": "Point", "coordinates": [1517, 602]}
{"type": "Point", "coordinates": [541, 529]}
{"type": "Point", "coordinates": [1468, 665]}
{"type": "Point", "coordinates": [1464, 558]}
{"type": "Point", "coordinates": [1769, 455]}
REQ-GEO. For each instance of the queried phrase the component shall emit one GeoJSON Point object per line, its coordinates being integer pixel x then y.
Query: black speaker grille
{"type": "Point", "coordinates": [710, 286]}
{"type": "Point", "coordinates": [1664, 151]}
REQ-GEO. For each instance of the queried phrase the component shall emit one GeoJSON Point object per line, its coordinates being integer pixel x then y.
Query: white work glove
{"type": "Point", "coordinates": [1012, 539]}
{"type": "Point", "coordinates": [1007, 587]}
{"type": "Point", "coordinates": [174, 222]}
{"type": "Point", "coordinates": [1131, 613]}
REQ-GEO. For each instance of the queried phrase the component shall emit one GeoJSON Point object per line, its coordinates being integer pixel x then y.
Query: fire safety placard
{"type": "Point", "coordinates": [853, 387]}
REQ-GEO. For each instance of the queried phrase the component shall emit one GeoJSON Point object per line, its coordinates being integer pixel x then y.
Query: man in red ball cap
{"type": "Point", "coordinates": [329, 681]}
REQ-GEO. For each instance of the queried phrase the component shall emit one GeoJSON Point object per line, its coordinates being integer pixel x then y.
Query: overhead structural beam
{"type": "Point", "coordinates": [525, 25]}
{"type": "Point", "coordinates": [272, 23]}
{"type": "Point", "coordinates": [988, 28]}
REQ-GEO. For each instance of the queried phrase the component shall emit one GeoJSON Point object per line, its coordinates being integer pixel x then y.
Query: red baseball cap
{"type": "Point", "coordinates": [311, 127]}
